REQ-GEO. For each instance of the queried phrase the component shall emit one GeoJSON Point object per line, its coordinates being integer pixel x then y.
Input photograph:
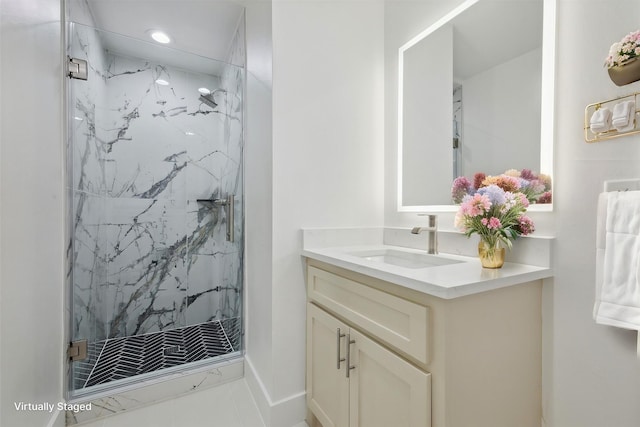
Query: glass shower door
{"type": "Point", "coordinates": [155, 182]}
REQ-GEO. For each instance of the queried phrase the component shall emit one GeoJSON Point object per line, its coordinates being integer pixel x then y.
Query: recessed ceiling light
{"type": "Point", "coordinates": [204, 91]}
{"type": "Point", "coordinates": [162, 82]}
{"type": "Point", "coordinates": [189, 133]}
{"type": "Point", "coordinates": [160, 37]}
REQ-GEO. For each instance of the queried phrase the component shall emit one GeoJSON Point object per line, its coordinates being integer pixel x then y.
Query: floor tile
{"type": "Point", "coordinates": [246, 406]}
{"type": "Point", "coordinates": [226, 405]}
{"type": "Point", "coordinates": [213, 407]}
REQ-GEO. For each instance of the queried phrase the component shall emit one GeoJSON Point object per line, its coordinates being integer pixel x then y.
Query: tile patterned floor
{"type": "Point", "coordinates": [228, 405]}
{"type": "Point", "coordinates": [119, 358]}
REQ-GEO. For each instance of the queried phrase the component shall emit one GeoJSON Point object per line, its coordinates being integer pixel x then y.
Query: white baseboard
{"type": "Point", "coordinates": [285, 412]}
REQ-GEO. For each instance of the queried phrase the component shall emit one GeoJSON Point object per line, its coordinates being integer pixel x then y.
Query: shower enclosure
{"type": "Point", "coordinates": [154, 175]}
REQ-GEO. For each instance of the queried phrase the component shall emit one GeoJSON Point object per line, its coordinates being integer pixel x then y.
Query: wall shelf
{"type": "Point", "coordinates": [590, 136]}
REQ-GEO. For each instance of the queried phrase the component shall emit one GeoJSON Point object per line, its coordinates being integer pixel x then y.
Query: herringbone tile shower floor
{"type": "Point", "coordinates": [118, 358]}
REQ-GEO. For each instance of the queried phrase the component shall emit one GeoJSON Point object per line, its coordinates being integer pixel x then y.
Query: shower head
{"type": "Point", "coordinates": [208, 98]}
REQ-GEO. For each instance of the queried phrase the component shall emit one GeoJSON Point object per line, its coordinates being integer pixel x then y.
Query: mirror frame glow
{"type": "Point", "coordinates": [547, 100]}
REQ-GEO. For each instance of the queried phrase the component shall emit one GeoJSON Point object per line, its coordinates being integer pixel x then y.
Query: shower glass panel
{"type": "Point", "coordinates": [154, 175]}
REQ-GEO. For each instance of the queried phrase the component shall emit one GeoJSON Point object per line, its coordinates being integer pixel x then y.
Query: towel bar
{"type": "Point", "coordinates": [590, 136]}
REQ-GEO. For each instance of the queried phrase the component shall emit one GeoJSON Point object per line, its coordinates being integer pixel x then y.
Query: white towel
{"type": "Point", "coordinates": [601, 120]}
{"type": "Point", "coordinates": [618, 288]}
{"type": "Point", "coordinates": [623, 115]}
{"type": "Point", "coordinates": [601, 235]}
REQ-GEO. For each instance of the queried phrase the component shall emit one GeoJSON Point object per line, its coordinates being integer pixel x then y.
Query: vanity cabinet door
{"type": "Point", "coordinates": [385, 390]}
{"type": "Point", "coordinates": [327, 386]}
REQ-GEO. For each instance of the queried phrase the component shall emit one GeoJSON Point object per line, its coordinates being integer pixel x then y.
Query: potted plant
{"type": "Point", "coordinates": [622, 62]}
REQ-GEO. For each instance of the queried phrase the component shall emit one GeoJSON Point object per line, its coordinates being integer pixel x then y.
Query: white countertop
{"type": "Point", "coordinates": [444, 281]}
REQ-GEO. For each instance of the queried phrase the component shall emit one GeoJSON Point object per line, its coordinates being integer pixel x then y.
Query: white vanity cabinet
{"type": "Point", "coordinates": [418, 360]}
{"type": "Point", "coordinates": [353, 381]}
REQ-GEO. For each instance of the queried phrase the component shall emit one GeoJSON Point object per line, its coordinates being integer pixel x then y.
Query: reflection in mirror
{"type": "Point", "coordinates": [475, 95]}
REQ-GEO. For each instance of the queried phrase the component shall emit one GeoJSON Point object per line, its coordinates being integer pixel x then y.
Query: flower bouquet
{"type": "Point", "coordinates": [624, 50]}
{"type": "Point", "coordinates": [494, 208]}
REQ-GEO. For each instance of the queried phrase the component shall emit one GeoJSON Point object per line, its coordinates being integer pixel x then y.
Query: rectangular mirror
{"type": "Point", "coordinates": [475, 94]}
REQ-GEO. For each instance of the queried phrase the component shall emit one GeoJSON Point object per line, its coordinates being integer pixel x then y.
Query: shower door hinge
{"type": "Point", "coordinates": [77, 350]}
{"type": "Point", "coordinates": [77, 68]}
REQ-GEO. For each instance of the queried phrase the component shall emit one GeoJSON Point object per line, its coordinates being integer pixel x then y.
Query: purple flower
{"type": "Point", "coordinates": [495, 194]}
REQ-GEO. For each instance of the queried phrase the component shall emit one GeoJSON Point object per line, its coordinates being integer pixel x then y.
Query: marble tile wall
{"type": "Point", "coordinates": [144, 255]}
{"type": "Point", "coordinates": [232, 81]}
{"type": "Point", "coordinates": [86, 182]}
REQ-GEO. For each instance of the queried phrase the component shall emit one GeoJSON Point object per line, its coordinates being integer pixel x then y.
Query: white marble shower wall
{"type": "Point", "coordinates": [145, 255]}
{"type": "Point", "coordinates": [86, 268]}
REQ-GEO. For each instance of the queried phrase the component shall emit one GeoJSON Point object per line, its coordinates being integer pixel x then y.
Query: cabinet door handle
{"type": "Point", "coordinates": [338, 359]}
{"type": "Point", "coordinates": [349, 342]}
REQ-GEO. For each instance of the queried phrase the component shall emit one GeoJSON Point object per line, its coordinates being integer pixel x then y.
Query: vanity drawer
{"type": "Point", "coordinates": [400, 323]}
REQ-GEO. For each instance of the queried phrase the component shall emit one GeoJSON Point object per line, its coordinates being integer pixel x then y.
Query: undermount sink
{"type": "Point", "coordinates": [404, 259]}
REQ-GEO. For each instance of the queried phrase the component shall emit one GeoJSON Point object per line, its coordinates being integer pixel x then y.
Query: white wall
{"type": "Point", "coordinates": [258, 201]}
{"type": "Point", "coordinates": [592, 375]}
{"type": "Point", "coordinates": [501, 117]}
{"type": "Point", "coordinates": [31, 210]}
{"type": "Point", "coordinates": [327, 165]}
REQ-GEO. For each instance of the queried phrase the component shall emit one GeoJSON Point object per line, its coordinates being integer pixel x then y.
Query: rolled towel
{"type": "Point", "coordinates": [601, 120]}
{"type": "Point", "coordinates": [622, 117]}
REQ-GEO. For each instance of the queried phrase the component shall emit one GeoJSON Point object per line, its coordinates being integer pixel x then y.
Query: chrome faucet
{"type": "Point", "coordinates": [432, 228]}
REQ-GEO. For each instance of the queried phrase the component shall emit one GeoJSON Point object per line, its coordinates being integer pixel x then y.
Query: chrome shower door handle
{"type": "Point", "coordinates": [338, 359]}
{"type": "Point", "coordinates": [229, 211]}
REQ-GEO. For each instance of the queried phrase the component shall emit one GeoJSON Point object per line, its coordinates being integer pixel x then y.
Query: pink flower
{"type": "Point", "coordinates": [494, 223]}
{"type": "Point", "coordinates": [528, 175]}
{"type": "Point", "coordinates": [460, 188]}
{"type": "Point", "coordinates": [477, 180]}
{"type": "Point", "coordinates": [545, 198]}
{"type": "Point", "coordinates": [475, 205]}
{"type": "Point", "coordinates": [523, 200]}
{"type": "Point", "coordinates": [623, 50]}
{"type": "Point", "coordinates": [491, 223]}
{"type": "Point", "coordinates": [525, 224]}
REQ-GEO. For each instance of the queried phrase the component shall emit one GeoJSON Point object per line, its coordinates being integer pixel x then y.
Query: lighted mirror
{"type": "Point", "coordinates": [475, 94]}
